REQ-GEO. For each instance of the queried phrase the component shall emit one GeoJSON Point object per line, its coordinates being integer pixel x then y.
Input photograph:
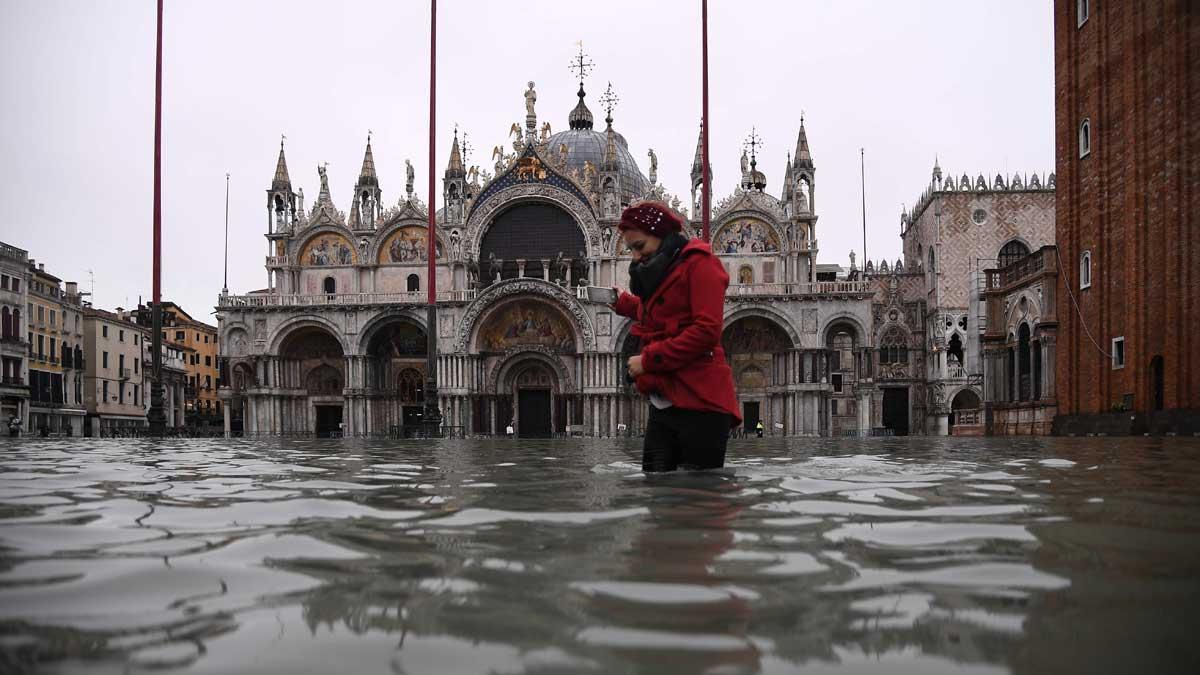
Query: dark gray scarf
{"type": "Point", "coordinates": [646, 275]}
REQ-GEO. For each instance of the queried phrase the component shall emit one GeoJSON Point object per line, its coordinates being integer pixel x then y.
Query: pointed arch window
{"type": "Point", "coordinates": [893, 347]}
{"type": "Point", "coordinates": [1085, 138]}
{"type": "Point", "coordinates": [1085, 270]}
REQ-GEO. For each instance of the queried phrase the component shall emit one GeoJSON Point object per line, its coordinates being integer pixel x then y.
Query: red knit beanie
{"type": "Point", "coordinates": [653, 218]}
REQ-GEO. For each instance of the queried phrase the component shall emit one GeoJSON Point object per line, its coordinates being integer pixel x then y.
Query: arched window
{"type": "Point", "coordinates": [414, 283]}
{"type": "Point", "coordinates": [1024, 364]}
{"type": "Point", "coordinates": [1035, 348]}
{"type": "Point", "coordinates": [1085, 269]}
{"type": "Point", "coordinates": [1085, 138]}
{"type": "Point", "coordinates": [1012, 252]}
{"type": "Point", "coordinates": [745, 275]}
{"type": "Point", "coordinates": [932, 266]}
{"type": "Point", "coordinates": [954, 356]}
{"type": "Point", "coordinates": [893, 347]}
{"type": "Point", "coordinates": [410, 382]}
{"type": "Point", "coordinates": [7, 330]}
{"type": "Point", "coordinates": [330, 285]}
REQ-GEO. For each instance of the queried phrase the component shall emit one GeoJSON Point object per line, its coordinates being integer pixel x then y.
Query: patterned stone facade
{"type": "Point", "coordinates": [958, 229]}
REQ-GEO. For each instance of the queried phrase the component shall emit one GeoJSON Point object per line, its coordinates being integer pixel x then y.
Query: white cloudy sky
{"type": "Point", "coordinates": [971, 82]}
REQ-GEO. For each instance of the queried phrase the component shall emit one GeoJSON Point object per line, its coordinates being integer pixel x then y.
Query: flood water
{"type": "Point", "coordinates": [864, 556]}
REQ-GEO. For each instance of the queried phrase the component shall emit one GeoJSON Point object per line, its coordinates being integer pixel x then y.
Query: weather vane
{"type": "Point", "coordinates": [581, 65]}
{"type": "Point", "coordinates": [609, 99]}
{"type": "Point", "coordinates": [753, 142]}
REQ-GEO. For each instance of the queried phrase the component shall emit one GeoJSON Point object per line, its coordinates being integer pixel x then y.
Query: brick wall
{"type": "Point", "coordinates": [1131, 70]}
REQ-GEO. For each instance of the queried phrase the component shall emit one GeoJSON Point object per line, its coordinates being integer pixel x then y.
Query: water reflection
{"type": "Point", "coordinates": [866, 556]}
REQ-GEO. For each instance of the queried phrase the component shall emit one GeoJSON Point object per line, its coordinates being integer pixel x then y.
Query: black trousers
{"type": "Point", "coordinates": [684, 439]}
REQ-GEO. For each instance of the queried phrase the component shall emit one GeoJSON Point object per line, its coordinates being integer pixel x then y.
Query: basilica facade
{"type": "Point", "coordinates": [336, 342]}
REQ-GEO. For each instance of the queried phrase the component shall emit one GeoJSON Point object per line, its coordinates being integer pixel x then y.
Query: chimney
{"type": "Point", "coordinates": [72, 289]}
{"type": "Point", "coordinates": [41, 267]}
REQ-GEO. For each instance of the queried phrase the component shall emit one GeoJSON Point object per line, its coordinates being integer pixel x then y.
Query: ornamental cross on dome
{"type": "Point", "coordinates": [752, 143]}
{"type": "Point", "coordinates": [581, 65]}
{"type": "Point", "coordinates": [609, 99]}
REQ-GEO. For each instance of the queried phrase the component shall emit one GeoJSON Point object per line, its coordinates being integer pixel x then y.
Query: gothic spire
{"type": "Point", "coordinates": [803, 157]}
{"type": "Point", "coordinates": [281, 180]}
{"type": "Point", "coordinates": [610, 147]}
{"type": "Point", "coordinates": [455, 167]}
{"type": "Point", "coordinates": [367, 175]}
{"type": "Point", "coordinates": [698, 162]}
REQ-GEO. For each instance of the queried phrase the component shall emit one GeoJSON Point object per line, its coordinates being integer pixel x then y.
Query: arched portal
{"type": "Point", "coordinates": [526, 234]}
{"type": "Point", "coordinates": [313, 364]}
{"type": "Point", "coordinates": [751, 346]}
{"type": "Point", "coordinates": [843, 343]}
{"type": "Point", "coordinates": [964, 409]}
{"type": "Point", "coordinates": [395, 374]}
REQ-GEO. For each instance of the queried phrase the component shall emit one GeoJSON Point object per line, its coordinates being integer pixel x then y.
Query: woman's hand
{"type": "Point", "coordinates": [635, 366]}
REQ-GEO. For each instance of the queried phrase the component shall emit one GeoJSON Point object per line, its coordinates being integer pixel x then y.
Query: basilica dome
{"type": "Point", "coordinates": [585, 144]}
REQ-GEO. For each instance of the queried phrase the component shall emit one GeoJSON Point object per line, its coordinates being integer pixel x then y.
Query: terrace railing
{"type": "Point", "coordinates": [338, 299]}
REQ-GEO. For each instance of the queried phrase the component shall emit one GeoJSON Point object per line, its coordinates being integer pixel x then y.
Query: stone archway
{"type": "Point", "coordinates": [312, 365]}
{"type": "Point", "coordinates": [549, 301]}
{"type": "Point", "coordinates": [395, 370]}
{"type": "Point", "coordinates": [532, 390]}
{"type": "Point", "coordinates": [752, 347]}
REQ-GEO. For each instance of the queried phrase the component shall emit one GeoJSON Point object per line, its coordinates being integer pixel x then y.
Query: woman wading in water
{"type": "Point", "coordinates": [677, 303]}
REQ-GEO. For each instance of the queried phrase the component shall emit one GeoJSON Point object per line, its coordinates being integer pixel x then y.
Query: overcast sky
{"type": "Point", "coordinates": [969, 82]}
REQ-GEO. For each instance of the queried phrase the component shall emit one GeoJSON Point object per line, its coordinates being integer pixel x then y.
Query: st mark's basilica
{"type": "Point", "coordinates": [336, 342]}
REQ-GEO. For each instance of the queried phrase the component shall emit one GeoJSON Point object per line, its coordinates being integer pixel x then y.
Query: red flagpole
{"type": "Point", "coordinates": [431, 239]}
{"type": "Point", "coordinates": [156, 417]}
{"type": "Point", "coordinates": [432, 415]}
{"type": "Point", "coordinates": [704, 121]}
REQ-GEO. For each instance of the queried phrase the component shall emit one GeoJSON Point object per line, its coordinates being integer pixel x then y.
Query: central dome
{"type": "Point", "coordinates": [585, 144]}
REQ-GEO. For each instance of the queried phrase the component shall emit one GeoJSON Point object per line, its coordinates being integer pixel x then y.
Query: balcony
{"type": "Point", "coordinates": [800, 289]}
{"type": "Point", "coordinates": [1026, 267]}
{"type": "Point", "coordinates": [279, 260]}
{"type": "Point", "coordinates": [13, 381]}
{"type": "Point", "coordinates": [124, 373]}
{"type": "Point", "coordinates": [15, 254]}
{"type": "Point", "coordinates": [339, 299]}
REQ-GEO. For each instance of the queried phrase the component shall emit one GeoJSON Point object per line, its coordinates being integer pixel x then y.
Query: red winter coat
{"type": "Point", "coordinates": [680, 328]}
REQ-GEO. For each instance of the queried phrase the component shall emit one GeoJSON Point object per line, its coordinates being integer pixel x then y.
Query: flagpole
{"type": "Point", "coordinates": [157, 418]}
{"type": "Point", "coordinates": [433, 415]}
{"type": "Point", "coordinates": [863, 176]}
{"type": "Point", "coordinates": [225, 283]}
{"type": "Point", "coordinates": [706, 188]}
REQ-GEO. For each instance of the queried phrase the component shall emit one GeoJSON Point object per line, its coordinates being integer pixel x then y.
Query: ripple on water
{"type": "Point", "coordinates": [866, 555]}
